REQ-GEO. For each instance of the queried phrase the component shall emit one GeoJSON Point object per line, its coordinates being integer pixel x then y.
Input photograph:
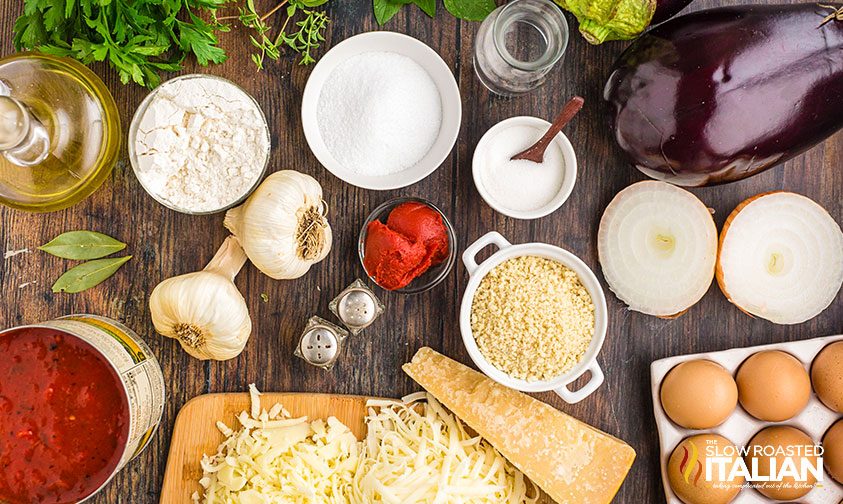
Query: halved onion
{"type": "Point", "coordinates": [657, 245]}
{"type": "Point", "coordinates": [780, 257]}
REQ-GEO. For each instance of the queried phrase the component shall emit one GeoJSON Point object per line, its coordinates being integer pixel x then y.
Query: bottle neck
{"type": "Point", "coordinates": [24, 141]}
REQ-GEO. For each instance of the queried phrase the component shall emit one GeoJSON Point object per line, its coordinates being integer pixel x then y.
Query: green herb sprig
{"type": "Point", "coordinates": [142, 38]}
{"type": "Point", "coordinates": [303, 37]}
{"type": "Point", "coordinates": [469, 10]}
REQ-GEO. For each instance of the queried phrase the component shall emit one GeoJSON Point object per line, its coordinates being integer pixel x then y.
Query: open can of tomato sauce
{"type": "Point", "coordinates": [80, 397]}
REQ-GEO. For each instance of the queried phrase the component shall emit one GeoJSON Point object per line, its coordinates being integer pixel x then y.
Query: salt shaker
{"type": "Point", "coordinates": [356, 306]}
{"type": "Point", "coordinates": [320, 343]}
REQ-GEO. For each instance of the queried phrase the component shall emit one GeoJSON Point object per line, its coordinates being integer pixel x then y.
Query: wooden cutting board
{"type": "Point", "coordinates": [195, 432]}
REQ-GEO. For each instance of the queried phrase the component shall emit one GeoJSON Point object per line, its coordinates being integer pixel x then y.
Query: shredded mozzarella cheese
{"type": "Point", "coordinates": [415, 452]}
{"type": "Point", "coordinates": [274, 458]}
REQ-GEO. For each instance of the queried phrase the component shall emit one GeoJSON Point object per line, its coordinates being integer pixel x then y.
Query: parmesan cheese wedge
{"type": "Point", "coordinates": [571, 461]}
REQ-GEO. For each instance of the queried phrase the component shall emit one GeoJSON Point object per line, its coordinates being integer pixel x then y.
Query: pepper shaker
{"type": "Point", "coordinates": [320, 343]}
{"type": "Point", "coordinates": [356, 306]}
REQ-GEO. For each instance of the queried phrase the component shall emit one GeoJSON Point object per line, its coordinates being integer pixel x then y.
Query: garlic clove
{"type": "Point", "coordinates": [204, 310]}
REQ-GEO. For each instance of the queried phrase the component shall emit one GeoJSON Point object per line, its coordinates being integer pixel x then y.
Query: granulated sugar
{"type": "Point", "coordinates": [379, 113]}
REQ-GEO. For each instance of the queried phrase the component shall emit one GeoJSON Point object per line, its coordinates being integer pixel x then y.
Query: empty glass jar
{"type": "Point", "coordinates": [518, 44]}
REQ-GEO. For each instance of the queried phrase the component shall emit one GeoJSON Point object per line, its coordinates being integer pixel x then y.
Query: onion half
{"type": "Point", "coordinates": [657, 246]}
{"type": "Point", "coordinates": [780, 257]}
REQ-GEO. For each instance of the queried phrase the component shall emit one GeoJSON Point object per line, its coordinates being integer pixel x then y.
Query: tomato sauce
{"type": "Point", "coordinates": [64, 417]}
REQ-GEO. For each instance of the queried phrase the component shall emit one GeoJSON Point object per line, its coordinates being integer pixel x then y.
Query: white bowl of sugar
{"type": "Point", "coordinates": [523, 189]}
{"type": "Point", "coordinates": [381, 110]}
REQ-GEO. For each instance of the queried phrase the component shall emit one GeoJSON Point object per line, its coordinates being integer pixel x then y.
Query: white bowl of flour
{"type": "Point", "coordinates": [381, 110]}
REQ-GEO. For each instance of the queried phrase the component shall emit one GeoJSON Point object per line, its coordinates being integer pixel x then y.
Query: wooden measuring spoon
{"type": "Point", "coordinates": [536, 152]}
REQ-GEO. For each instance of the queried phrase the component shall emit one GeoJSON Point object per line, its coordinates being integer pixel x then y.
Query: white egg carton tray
{"type": "Point", "coordinates": [739, 428]}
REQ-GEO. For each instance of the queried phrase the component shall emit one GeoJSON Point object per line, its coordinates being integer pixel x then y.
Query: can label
{"type": "Point", "coordinates": [137, 368]}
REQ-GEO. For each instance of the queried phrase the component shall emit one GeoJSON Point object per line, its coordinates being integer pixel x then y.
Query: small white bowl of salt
{"type": "Point", "coordinates": [523, 189]}
{"type": "Point", "coordinates": [381, 110]}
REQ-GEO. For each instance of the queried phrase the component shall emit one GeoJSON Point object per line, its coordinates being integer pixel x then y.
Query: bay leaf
{"type": "Point", "coordinates": [82, 245]}
{"type": "Point", "coordinates": [88, 274]}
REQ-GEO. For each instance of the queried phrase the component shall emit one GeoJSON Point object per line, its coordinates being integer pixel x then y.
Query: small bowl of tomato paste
{"type": "Point", "coordinates": [407, 245]}
{"type": "Point", "coordinates": [80, 397]}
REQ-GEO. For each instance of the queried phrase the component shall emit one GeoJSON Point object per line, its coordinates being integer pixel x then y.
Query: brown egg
{"type": "Point", "coordinates": [833, 454]}
{"type": "Point", "coordinates": [773, 386]}
{"type": "Point", "coordinates": [699, 394]}
{"type": "Point", "coordinates": [686, 470]}
{"type": "Point", "coordinates": [827, 376]}
{"type": "Point", "coordinates": [781, 438]}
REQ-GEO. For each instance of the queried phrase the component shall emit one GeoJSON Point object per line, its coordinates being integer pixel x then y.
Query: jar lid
{"type": "Point", "coordinates": [14, 122]}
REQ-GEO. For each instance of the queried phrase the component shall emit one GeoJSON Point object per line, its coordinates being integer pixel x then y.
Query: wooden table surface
{"type": "Point", "coordinates": [166, 243]}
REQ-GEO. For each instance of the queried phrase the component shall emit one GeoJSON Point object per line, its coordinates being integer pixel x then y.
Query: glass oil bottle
{"type": "Point", "coordinates": [59, 132]}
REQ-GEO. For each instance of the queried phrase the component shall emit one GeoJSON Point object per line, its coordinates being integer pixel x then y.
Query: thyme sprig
{"type": "Point", "coordinates": [303, 37]}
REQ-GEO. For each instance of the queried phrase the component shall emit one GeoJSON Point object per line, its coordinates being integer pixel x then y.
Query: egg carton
{"type": "Point", "coordinates": [740, 427]}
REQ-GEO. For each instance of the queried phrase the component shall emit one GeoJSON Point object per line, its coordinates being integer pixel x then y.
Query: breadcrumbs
{"type": "Point", "coordinates": [532, 318]}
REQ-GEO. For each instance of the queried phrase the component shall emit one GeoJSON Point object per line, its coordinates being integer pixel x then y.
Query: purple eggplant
{"type": "Point", "coordinates": [719, 95]}
{"type": "Point", "coordinates": [666, 9]}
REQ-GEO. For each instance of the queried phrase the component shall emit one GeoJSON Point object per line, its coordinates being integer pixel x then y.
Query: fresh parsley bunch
{"type": "Point", "coordinates": [139, 38]}
{"type": "Point", "coordinates": [470, 10]}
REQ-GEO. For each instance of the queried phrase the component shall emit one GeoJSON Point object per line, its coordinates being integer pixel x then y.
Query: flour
{"type": "Point", "coordinates": [379, 113]}
{"type": "Point", "coordinates": [201, 144]}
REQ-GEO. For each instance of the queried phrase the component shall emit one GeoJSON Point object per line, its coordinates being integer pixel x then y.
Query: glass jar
{"type": "Point", "coordinates": [518, 44]}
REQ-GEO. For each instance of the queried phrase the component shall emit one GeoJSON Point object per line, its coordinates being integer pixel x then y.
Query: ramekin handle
{"type": "Point", "coordinates": [587, 389]}
{"type": "Point", "coordinates": [469, 257]}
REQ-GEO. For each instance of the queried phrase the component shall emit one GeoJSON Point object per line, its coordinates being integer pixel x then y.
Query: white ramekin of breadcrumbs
{"type": "Point", "coordinates": [533, 317]}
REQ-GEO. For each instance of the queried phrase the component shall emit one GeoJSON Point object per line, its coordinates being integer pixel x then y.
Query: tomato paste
{"type": "Point", "coordinates": [413, 240]}
{"type": "Point", "coordinates": [64, 417]}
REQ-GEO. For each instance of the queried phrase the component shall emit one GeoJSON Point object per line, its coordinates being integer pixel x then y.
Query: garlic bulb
{"type": "Point", "coordinates": [282, 226]}
{"type": "Point", "coordinates": [204, 310]}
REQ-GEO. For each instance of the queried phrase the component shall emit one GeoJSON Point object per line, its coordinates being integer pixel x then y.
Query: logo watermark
{"type": "Point", "coordinates": [770, 467]}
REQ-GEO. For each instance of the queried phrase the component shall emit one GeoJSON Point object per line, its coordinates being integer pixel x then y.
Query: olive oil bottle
{"type": "Point", "coordinates": [59, 132]}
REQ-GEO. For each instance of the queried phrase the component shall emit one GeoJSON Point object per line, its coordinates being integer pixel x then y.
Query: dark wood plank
{"type": "Point", "coordinates": [166, 243]}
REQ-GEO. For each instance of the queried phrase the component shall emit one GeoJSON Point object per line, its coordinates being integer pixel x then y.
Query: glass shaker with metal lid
{"type": "Point", "coordinates": [59, 132]}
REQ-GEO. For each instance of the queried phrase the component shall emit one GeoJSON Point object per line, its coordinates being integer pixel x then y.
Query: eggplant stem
{"type": "Point", "coordinates": [836, 14]}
